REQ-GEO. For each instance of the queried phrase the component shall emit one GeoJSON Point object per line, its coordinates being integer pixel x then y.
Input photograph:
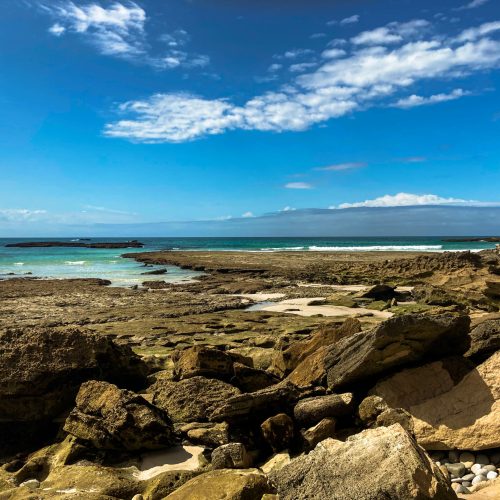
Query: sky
{"type": "Point", "coordinates": [139, 112]}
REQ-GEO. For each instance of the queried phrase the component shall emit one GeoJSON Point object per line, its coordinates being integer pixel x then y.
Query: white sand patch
{"type": "Point", "coordinates": [257, 297]}
{"type": "Point", "coordinates": [301, 307]}
{"type": "Point", "coordinates": [178, 458]}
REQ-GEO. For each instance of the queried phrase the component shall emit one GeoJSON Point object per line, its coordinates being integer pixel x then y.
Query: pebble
{"type": "Point", "coordinates": [456, 470]}
{"type": "Point", "coordinates": [482, 459]}
{"type": "Point", "coordinates": [468, 477]}
{"type": "Point", "coordinates": [491, 475]}
{"type": "Point", "coordinates": [32, 484]}
{"type": "Point", "coordinates": [476, 468]}
{"type": "Point", "coordinates": [466, 483]}
{"type": "Point", "coordinates": [467, 458]}
{"type": "Point", "coordinates": [458, 488]}
{"type": "Point", "coordinates": [479, 479]}
{"type": "Point", "coordinates": [490, 468]}
{"type": "Point", "coordinates": [454, 456]}
{"type": "Point", "coordinates": [495, 458]}
{"type": "Point", "coordinates": [138, 497]}
{"type": "Point", "coordinates": [456, 480]}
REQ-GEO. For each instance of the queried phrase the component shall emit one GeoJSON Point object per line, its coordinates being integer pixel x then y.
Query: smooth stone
{"type": "Point", "coordinates": [490, 468]}
{"type": "Point", "coordinates": [454, 456]}
{"type": "Point", "coordinates": [457, 480]}
{"type": "Point", "coordinates": [495, 458]}
{"type": "Point", "coordinates": [138, 497]}
{"type": "Point", "coordinates": [437, 455]}
{"type": "Point", "coordinates": [482, 472]}
{"type": "Point", "coordinates": [468, 477]}
{"type": "Point", "coordinates": [438, 463]}
{"type": "Point", "coordinates": [479, 479]}
{"type": "Point", "coordinates": [466, 483]}
{"type": "Point", "coordinates": [468, 459]}
{"type": "Point", "coordinates": [476, 468]}
{"type": "Point", "coordinates": [482, 459]}
{"type": "Point", "coordinates": [458, 488]}
{"type": "Point", "coordinates": [456, 469]}
{"type": "Point", "coordinates": [491, 475]}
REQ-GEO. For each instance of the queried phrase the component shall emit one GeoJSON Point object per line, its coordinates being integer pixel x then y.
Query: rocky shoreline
{"type": "Point", "coordinates": [186, 392]}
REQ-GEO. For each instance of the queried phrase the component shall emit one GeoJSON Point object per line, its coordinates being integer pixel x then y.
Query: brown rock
{"type": "Point", "coordinates": [250, 379]}
{"type": "Point", "coordinates": [207, 434]}
{"type": "Point", "coordinates": [249, 484]}
{"type": "Point", "coordinates": [379, 292]}
{"type": "Point", "coordinates": [321, 431]}
{"type": "Point", "coordinates": [449, 415]}
{"type": "Point", "coordinates": [231, 456]}
{"type": "Point", "coordinates": [399, 340]}
{"type": "Point", "coordinates": [278, 431]}
{"type": "Point", "coordinates": [202, 361]}
{"type": "Point", "coordinates": [310, 411]}
{"type": "Point", "coordinates": [116, 419]}
{"type": "Point", "coordinates": [311, 370]}
{"type": "Point", "coordinates": [377, 463]}
{"type": "Point", "coordinates": [485, 340]}
{"type": "Point", "coordinates": [370, 408]}
{"type": "Point", "coordinates": [192, 399]}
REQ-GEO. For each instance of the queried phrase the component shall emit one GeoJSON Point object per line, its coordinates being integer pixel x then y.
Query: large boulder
{"type": "Point", "coordinates": [202, 361]}
{"type": "Point", "coordinates": [227, 484]}
{"type": "Point", "coordinates": [449, 414]}
{"type": "Point", "coordinates": [251, 379]}
{"type": "Point", "coordinates": [257, 405]}
{"type": "Point", "coordinates": [377, 463]}
{"type": "Point", "coordinates": [287, 360]}
{"type": "Point", "coordinates": [41, 370]}
{"type": "Point", "coordinates": [192, 399]}
{"type": "Point", "coordinates": [278, 431]}
{"type": "Point", "coordinates": [110, 418]}
{"type": "Point", "coordinates": [231, 456]}
{"type": "Point", "coordinates": [395, 342]}
{"type": "Point", "coordinates": [485, 340]}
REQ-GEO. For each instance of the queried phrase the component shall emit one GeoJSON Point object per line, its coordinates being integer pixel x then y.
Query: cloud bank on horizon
{"type": "Point", "coordinates": [374, 68]}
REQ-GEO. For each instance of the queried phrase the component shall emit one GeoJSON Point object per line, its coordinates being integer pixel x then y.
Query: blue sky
{"type": "Point", "coordinates": [148, 111]}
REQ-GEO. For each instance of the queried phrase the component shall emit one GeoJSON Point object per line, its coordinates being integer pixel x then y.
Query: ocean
{"type": "Point", "coordinates": [61, 262]}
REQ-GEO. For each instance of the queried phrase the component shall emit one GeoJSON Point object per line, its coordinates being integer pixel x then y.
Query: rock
{"type": "Point", "coordinates": [492, 289]}
{"type": "Point", "coordinates": [397, 341]}
{"type": "Point", "coordinates": [258, 405]}
{"type": "Point", "coordinates": [490, 475]}
{"type": "Point", "coordinates": [310, 411]}
{"type": "Point", "coordinates": [32, 484]}
{"type": "Point", "coordinates": [396, 416]}
{"type": "Point", "coordinates": [116, 419]}
{"type": "Point", "coordinates": [453, 456]}
{"type": "Point", "coordinates": [231, 456]}
{"type": "Point", "coordinates": [192, 399]}
{"type": "Point", "coordinates": [278, 431]}
{"type": "Point", "coordinates": [479, 479]}
{"type": "Point", "coordinates": [287, 360]}
{"type": "Point", "coordinates": [202, 361]}
{"type": "Point", "coordinates": [321, 431]}
{"type": "Point", "coordinates": [476, 468]}
{"type": "Point", "coordinates": [248, 484]}
{"type": "Point", "coordinates": [485, 340]}
{"type": "Point", "coordinates": [461, 416]}
{"type": "Point", "coordinates": [41, 370]}
{"type": "Point", "coordinates": [137, 497]}
{"type": "Point", "coordinates": [376, 463]}
{"type": "Point", "coordinates": [467, 459]}
{"type": "Point", "coordinates": [311, 370]}
{"type": "Point", "coordinates": [482, 459]}
{"type": "Point", "coordinates": [379, 292]}
{"type": "Point", "coordinates": [370, 408]}
{"type": "Point", "coordinates": [276, 462]}
{"type": "Point", "coordinates": [436, 296]}
{"type": "Point", "coordinates": [458, 488]}
{"type": "Point", "coordinates": [457, 470]}
{"type": "Point", "coordinates": [208, 435]}
{"type": "Point", "coordinates": [250, 379]}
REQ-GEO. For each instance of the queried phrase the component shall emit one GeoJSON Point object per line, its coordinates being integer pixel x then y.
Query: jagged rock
{"type": "Point", "coordinates": [395, 416]}
{"type": "Point", "coordinates": [258, 405]}
{"type": "Point", "coordinates": [287, 360]}
{"type": "Point", "coordinates": [485, 340]}
{"type": "Point", "coordinates": [110, 418]}
{"type": "Point", "coordinates": [321, 431]}
{"type": "Point", "coordinates": [192, 399]}
{"type": "Point", "coordinates": [399, 340]}
{"type": "Point", "coordinates": [248, 484]}
{"type": "Point", "coordinates": [492, 289]}
{"type": "Point", "coordinates": [278, 431]}
{"type": "Point", "coordinates": [276, 462]}
{"type": "Point", "coordinates": [310, 411]}
{"type": "Point", "coordinates": [436, 296]}
{"type": "Point", "coordinates": [231, 456]}
{"type": "Point", "coordinates": [250, 379]}
{"type": "Point", "coordinates": [311, 370]}
{"type": "Point", "coordinates": [376, 463]}
{"type": "Point", "coordinates": [449, 414]}
{"type": "Point", "coordinates": [207, 434]}
{"type": "Point", "coordinates": [41, 370]}
{"type": "Point", "coordinates": [370, 408]}
{"type": "Point", "coordinates": [202, 361]}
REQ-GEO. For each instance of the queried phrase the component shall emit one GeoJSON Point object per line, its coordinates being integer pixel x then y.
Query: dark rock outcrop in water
{"type": "Point", "coordinates": [77, 244]}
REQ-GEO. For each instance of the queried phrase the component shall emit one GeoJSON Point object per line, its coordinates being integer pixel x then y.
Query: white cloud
{"type": "Point", "coordinates": [343, 166]}
{"type": "Point", "coordinates": [376, 37]}
{"type": "Point", "coordinates": [21, 215]}
{"type": "Point", "coordinates": [288, 209]}
{"type": "Point", "coordinates": [417, 100]}
{"type": "Point", "coordinates": [403, 200]}
{"type": "Point", "coordinates": [300, 67]}
{"type": "Point", "coordinates": [294, 53]}
{"type": "Point", "coordinates": [350, 20]}
{"type": "Point", "coordinates": [247, 215]}
{"type": "Point", "coordinates": [473, 5]}
{"type": "Point", "coordinates": [473, 34]}
{"type": "Point", "coordinates": [119, 30]}
{"type": "Point", "coordinates": [365, 77]}
{"type": "Point", "coordinates": [333, 53]}
{"type": "Point", "coordinates": [298, 185]}
{"type": "Point", "coordinates": [274, 67]}
{"type": "Point", "coordinates": [315, 36]}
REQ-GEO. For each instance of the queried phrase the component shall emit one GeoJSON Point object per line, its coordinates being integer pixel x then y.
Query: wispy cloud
{"type": "Point", "coordinates": [21, 215]}
{"type": "Point", "coordinates": [300, 67]}
{"type": "Point", "coordinates": [347, 20]}
{"type": "Point", "coordinates": [119, 30]}
{"type": "Point", "coordinates": [356, 81]}
{"type": "Point", "coordinates": [417, 100]}
{"type": "Point", "coordinates": [403, 200]}
{"type": "Point", "coordinates": [298, 185]}
{"type": "Point", "coordinates": [472, 5]}
{"type": "Point", "coordinates": [412, 159]}
{"type": "Point", "coordinates": [343, 166]}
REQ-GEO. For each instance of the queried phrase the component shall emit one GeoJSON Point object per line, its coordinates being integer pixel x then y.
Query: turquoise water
{"type": "Point", "coordinates": [108, 263]}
